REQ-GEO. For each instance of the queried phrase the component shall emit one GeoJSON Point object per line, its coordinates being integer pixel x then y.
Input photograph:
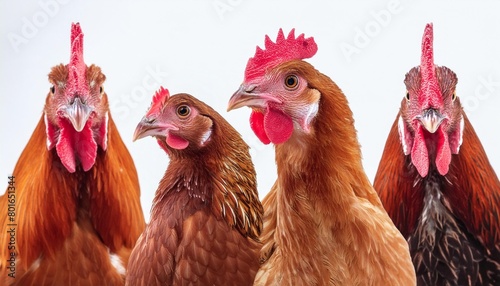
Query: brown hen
{"type": "Point", "coordinates": [323, 222]}
{"type": "Point", "coordinates": [206, 215]}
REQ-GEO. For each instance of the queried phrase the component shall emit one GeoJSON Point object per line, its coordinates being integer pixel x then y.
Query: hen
{"type": "Point", "coordinates": [206, 215]}
{"type": "Point", "coordinates": [436, 182]}
{"type": "Point", "coordinates": [323, 221]}
{"type": "Point", "coordinates": [75, 193]}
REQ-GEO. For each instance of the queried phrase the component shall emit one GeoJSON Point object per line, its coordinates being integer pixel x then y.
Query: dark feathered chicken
{"type": "Point", "coordinates": [206, 215]}
{"type": "Point", "coordinates": [437, 184]}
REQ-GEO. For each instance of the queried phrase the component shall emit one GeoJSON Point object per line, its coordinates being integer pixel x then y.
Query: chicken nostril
{"type": "Point", "coordinates": [79, 99]}
{"type": "Point", "coordinates": [250, 89]}
{"type": "Point", "coordinates": [149, 120]}
{"type": "Point", "coordinates": [431, 112]}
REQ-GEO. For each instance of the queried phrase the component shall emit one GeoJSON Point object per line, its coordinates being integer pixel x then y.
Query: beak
{"type": "Point", "coordinates": [245, 96]}
{"type": "Point", "coordinates": [431, 119]}
{"type": "Point", "coordinates": [151, 127]}
{"type": "Point", "coordinates": [78, 113]}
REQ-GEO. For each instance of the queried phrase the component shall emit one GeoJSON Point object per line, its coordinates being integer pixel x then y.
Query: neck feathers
{"type": "Point", "coordinates": [221, 179]}
{"type": "Point", "coordinates": [329, 156]}
{"type": "Point", "coordinates": [44, 190]}
{"type": "Point", "coordinates": [472, 179]}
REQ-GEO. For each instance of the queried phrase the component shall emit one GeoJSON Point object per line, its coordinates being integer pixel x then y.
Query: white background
{"type": "Point", "coordinates": [201, 47]}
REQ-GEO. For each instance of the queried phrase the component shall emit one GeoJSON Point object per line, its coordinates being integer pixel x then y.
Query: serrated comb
{"type": "Point", "coordinates": [159, 99]}
{"type": "Point", "coordinates": [285, 49]}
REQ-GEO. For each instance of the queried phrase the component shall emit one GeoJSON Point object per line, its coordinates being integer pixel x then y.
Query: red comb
{"type": "Point", "coordinates": [76, 83]}
{"type": "Point", "coordinates": [161, 96]}
{"type": "Point", "coordinates": [429, 88]}
{"type": "Point", "coordinates": [285, 49]}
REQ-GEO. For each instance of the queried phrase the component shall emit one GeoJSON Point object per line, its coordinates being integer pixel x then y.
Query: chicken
{"type": "Point", "coordinates": [206, 216]}
{"type": "Point", "coordinates": [74, 193]}
{"type": "Point", "coordinates": [323, 222]}
{"type": "Point", "coordinates": [437, 184]}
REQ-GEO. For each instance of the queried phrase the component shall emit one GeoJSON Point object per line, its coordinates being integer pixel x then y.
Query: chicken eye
{"type": "Point", "coordinates": [101, 89]}
{"type": "Point", "coordinates": [453, 96]}
{"type": "Point", "coordinates": [291, 81]}
{"type": "Point", "coordinates": [52, 89]}
{"type": "Point", "coordinates": [183, 111]}
{"type": "Point", "coordinates": [407, 96]}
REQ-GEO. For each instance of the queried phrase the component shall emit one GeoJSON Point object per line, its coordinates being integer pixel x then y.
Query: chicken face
{"type": "Point", "coordinates": [76, 109]}
{"type": "Point", "coordinates": [175, 122]}
{"type": "Point", "coordinates": [431, 124]}
{"type": "Point", "coordinates": [276, 89]}
{"type": "Point", "coordinates": [281, 103]}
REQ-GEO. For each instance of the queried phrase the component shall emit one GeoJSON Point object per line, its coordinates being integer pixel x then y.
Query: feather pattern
{"type": "Point", "coordinates": [445, 200]}
{"type": "Point", "coordinates": [87, 216]}
{"type": "Point", "coordinates": [78, 213]}
{"type": "Point", "coordinates": [450, 222]}
{"type": "Point", "coordinates": [325, 229]}
{"type": "Point", "coordinates": [206, 215]}
{"type": "Point", "coordinates": [449, 215]}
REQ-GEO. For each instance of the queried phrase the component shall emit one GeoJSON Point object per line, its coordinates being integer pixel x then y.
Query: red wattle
{"type": "Point", "coordinates": [278, 126]}
{"type": "Point", "coordinates": [443, 156]}
{"type": "Point", "coordinates": [257, 125]}
{"type": "Point", "coordinates": [73, 146]}
{"type": "Point", "coordinates": [163, 146]}
{"type": "Point", "coordinates": [419, 153]}
{"type": "Point", "coordinates": [176, 142]}
{"type": "Point", "coordinates": [64, 147]}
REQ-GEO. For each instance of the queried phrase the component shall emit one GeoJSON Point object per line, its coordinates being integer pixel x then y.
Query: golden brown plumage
{"type": "Point", "coordinates": [323, 222]}
{"type": "Point", "coordinates": [71, 225]}
{"type": "Point", "coordinates": [206, 215]}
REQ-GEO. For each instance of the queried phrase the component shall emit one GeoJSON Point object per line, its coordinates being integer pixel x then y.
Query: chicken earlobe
{"type": "Point", "coordinates": [311, 113]}
{"type": "Point", "coordinates": [101, 134]}
{"type": "Point", "coordinates": [456, 137]}
{"type": "Point", "coordinates": [404, 136]}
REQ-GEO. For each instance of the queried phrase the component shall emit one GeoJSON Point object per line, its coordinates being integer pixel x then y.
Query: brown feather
{"type": "Point", "coordinates": [324, 223]}
{"type": "Point", "coordinates": [395, 173]}
{"type": "Point", "coordinates": [451, 221]}
{"type": "Point", "coordinates": [69, 220]}
{"type": "Point", "coordinates": [475, 197]}
{"type": "Point", "coordinates": [481, 186]}
{"type": "Point", "coordinates": [206, 215]}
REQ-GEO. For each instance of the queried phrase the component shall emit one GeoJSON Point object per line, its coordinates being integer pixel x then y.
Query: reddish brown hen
{"type": "Point", "coordinates": [77, 208]}
{"type": "Point", "coordinates": [437, 184]}
{"type": "Point", "coordinates": [206, 215]}
{"type": "Point", "coordinates": [323, 222]}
